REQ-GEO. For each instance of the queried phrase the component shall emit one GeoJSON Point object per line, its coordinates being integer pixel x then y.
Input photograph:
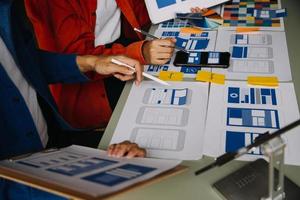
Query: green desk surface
{"type": "Point", "coordinates": [186, 185]}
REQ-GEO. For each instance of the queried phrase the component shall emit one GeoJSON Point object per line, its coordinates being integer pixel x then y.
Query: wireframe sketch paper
{"type": "Point", "coordinates": [204, 41]}
{"type": "Point", "coordinates": [238, 113]}
{"type": "Point", "coordinates": [239, 13]}
{"type": "Point", "coordinates": [162, 10]}
{"type": "Point", "coordinates": [88, 171]}
{"type": "Point", "coordinates": [167, 121]}
{"type": "Point", "coordinates": [263, 53]}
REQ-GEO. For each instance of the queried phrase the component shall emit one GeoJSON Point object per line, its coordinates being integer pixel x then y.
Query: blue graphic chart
{"type": "Point", "coordinates": [81, 166]}
{"type": "Point", "coordinates": [192, 43]}
{"type": "Point", "coordinates": [170, 34]}
{"type": "Point", "coordinates": [157, 68]}
{"type": "Point", "coordinates": [258, 96]}
{"type": "Point", "coordinates": [237, 140]}
{"type": "Point", "coordinates": [119, 175]}
{"type": "Point", "coordinates": [261, 118]}
{"type": "Point", "coordinates": [190, 70]}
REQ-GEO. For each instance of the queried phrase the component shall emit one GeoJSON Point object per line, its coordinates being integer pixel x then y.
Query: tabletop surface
{"type": "Point", "coordinates": [186, 185]}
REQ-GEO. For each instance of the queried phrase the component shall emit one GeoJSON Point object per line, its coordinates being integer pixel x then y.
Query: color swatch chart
{"type": "Point", "coordinates": [244, 13]}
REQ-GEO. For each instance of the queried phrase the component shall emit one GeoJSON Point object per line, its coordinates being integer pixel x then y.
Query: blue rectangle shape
{"type": "Point", "coordinates": [233, 95]}
{"type": "Point", "coordinates": [252, 95]}
{"type": "Point", "coordinates": [246, 98]}
{"type": "Point", "coordinates": [237, 52]}
{"type": "Point", "coordinates": [245, 55]}
{"type": "Point", "coordinates": [165, 3]}
{"type": "Point", "coordinates": [273, 94]}
{"type": "Point", "coordinates": [234, 141]}
{"type": "Point", "coordinates": [263, 100]}
{"type": "Point", "coordinates": [109, 178]}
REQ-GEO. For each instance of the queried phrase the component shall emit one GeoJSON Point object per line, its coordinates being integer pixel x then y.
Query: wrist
{"type": "Point", "coordinates": [86, 63]}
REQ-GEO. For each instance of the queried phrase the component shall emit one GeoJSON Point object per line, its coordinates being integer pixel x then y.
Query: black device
{"type": "Point", "coordinates": [251, 182]}
{"type": "Point", "coordinates": [209, 59]}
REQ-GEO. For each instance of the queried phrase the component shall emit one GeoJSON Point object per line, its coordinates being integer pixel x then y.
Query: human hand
{"type": "Point", "coordinates": [103, 65]}
{"type": "Point", "coordinates": [158, 51]}
{"type": "Point", "coordinates": [199, 10]}
{"type": "Point", "coordinates": [126, 149]}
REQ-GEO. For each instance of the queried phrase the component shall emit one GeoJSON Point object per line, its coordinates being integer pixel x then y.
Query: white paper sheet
{"type": "Point", "coordinates": [255, 54]}
{"type": "Point", "coordinates": [237, 113]}
{"type": "Point", "coordinates": [204, 41]}
{"type": "Point", "coordinates": [167, 121]}
{"type": "Point", "coordinates": [162, 10]}
{"type": "Point", "coordinates": [88, 170]}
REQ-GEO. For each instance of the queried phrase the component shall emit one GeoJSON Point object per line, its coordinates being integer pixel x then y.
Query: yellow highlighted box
{"type": "Point", "coordinates": [271, 81]}
{"type": "Point", "coordinates": [171, 76]}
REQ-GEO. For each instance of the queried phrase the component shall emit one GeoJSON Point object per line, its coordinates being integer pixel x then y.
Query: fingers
{"type": "Point", "coordinates": [159, 51]}
{"type": "Point", "coordinates": [127, 149]}
{"type": "Point", "coordinates": [134, 63]}
{"type": "Point", "coordinates": [199, 10]}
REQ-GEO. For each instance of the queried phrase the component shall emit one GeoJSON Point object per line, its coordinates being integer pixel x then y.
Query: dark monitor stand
{"type": "Point", "coordinates": [251, 183]}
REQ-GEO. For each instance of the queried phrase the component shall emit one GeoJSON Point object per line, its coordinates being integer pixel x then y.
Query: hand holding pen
{"type": "Point", "coordinates": [158, 51]}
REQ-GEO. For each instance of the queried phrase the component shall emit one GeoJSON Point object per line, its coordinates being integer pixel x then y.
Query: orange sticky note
{"type": "Point", "coordinates": [247, 29]}
{"type": "Point", "coordinates": [218, 78]}
{"type": "Point", "coordinates": [203, 76]}
{"type": "Point", "coordinates": [209, 12]}
{"type": "Point", "coordinates": [171, 76]}
{"type": "Point", "coordinates": [271, 81]}
{"type": "Point", "coordinates": [191, 30]}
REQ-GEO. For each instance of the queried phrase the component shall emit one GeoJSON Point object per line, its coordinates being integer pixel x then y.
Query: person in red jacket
{"type": "Point", "coordinates": [97, 27]}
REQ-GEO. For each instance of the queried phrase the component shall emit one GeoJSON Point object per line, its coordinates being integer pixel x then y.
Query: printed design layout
{"type": "Point", "coordinates": [255, 96]}
{"type": "Point", "coordinates": [247, 117]}
{"type": "Point", "coordinates": [245, 13]}
{"type": "Point", "coordinates": [81, 166]}
{"type": "Point", "coordinates": [119, 175]}
{"type": "Point", "coordinates": [49, 161]}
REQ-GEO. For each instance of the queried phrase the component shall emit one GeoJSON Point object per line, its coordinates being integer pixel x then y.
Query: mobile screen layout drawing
{"type": "Point", "coordinates": [203, 59]}
{"type": "Point", "coordinates": [162, 10]}
{"type": "Point", "coordinates": [160, 139]}
{"type": "Point", "coordinates": [163, 96]}
{"type": "Point", "coordinates": [251, 52]}
{"type": "Point", "coordinates": [160, 119]}
{"type": "Point", "coordinates": [251, 39]}
{"type": "Point", "coordinates": [262, 53]}
{"type": "Point", "coordinates": [82, 172]}
{"type": "Point", "coordinates": [245, 113]}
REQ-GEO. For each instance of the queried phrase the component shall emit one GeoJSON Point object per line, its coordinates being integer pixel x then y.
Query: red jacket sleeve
{"type": "Point", "coordinates": [67, 26]}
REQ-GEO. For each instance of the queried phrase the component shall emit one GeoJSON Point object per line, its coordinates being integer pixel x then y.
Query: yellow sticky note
{"type": "Point", "coordinates": [271, 81]}
{"type": "Point", "coordinates": [204, 76]}
{"type": "Point", "coordinates": [218, 78]}
{"type": "Point", "coordinates": [191, 30]}
{"type": "Point", "coordinates": [171, 76]}
{"type": "Point", "coordinates": [247, 29]}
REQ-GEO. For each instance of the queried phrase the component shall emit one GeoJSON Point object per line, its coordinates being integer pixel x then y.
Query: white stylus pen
{"type": "Point", "coordinates": [144, 73]}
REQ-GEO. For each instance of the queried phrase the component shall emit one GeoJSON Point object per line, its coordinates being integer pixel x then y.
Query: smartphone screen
{"type": "Point", "coordinates": [203, 59]}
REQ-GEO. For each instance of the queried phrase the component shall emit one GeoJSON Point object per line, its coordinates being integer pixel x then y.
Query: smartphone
{"type": "Point", "coordinates": [203, 59]}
